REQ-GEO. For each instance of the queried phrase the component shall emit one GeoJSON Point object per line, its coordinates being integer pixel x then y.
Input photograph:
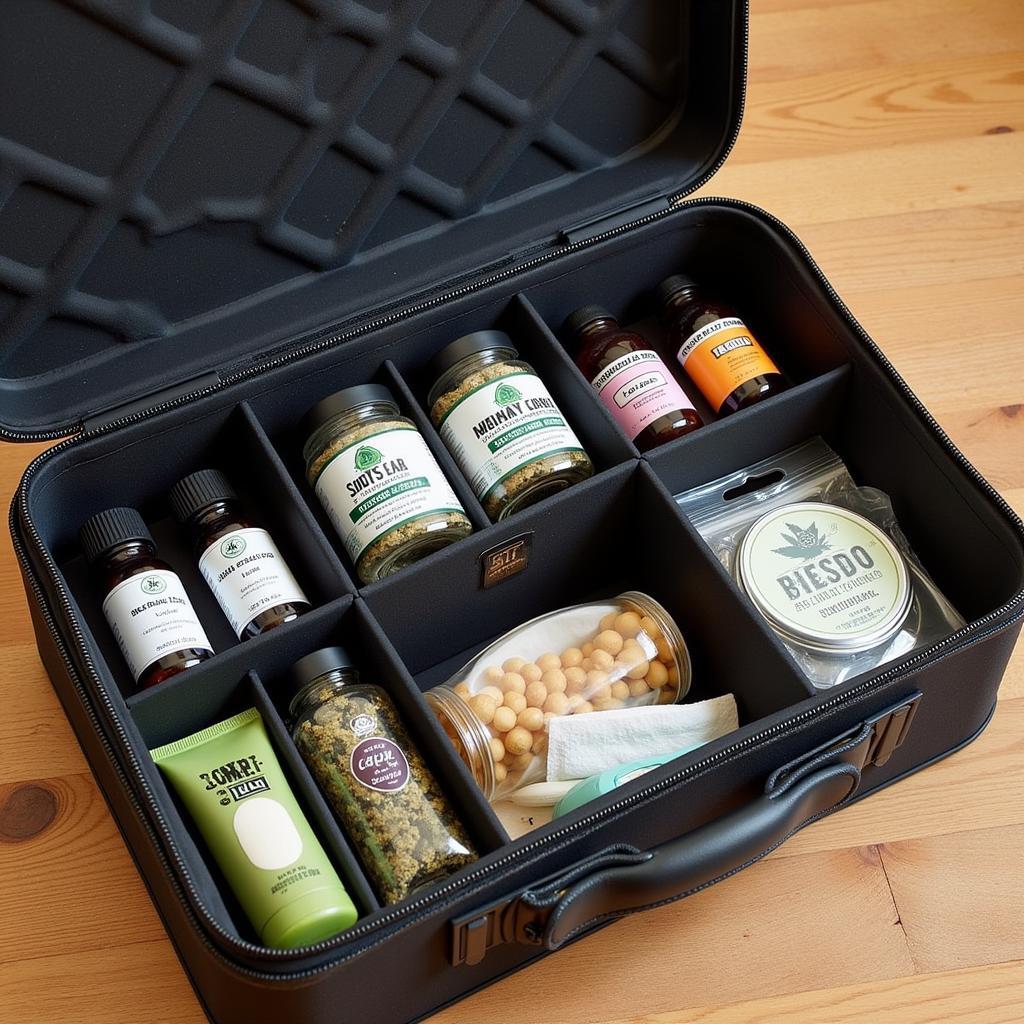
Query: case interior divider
{"type": "Point", "coordinates": [750, 435]}
{"type": "Point", "coordinates": [619, 531]}
{"type": "Point", "coordinates": [409, 405]}
{"type": "Point", "coordinates": [300, 526]}
{"type": "Point", "coordinates": [561, 355]}
{"type": "Point", "coordinates": [200, 690]}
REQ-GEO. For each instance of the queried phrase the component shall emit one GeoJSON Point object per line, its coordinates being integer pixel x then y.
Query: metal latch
{"type": "Point", "coordinates": [504, 920]}
{"type": "Point", "coordinates": [890, 730]}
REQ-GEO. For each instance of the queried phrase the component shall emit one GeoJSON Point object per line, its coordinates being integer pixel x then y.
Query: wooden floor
{"type": "Point", "coordinates": [890, 134]}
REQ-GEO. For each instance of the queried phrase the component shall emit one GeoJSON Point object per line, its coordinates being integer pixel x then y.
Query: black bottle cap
{"type": "Point", "coordinates": [672, 286]}
{"type": "Point", "coordinates": [312, 666]}
{"type": "Point", "coordinates": [342, 401]}
{"type": "Point", "coordinates": [467, 345]}
{"type": "Point", "coordinates": [585, 315]}
{"type": "Point", "coordinates": [199, 490]}
{"type": "Point", "coordinates": [105, 530]}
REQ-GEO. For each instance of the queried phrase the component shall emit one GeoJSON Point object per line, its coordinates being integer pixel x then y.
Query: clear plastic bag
{"type": "Point", "coordinates": [859, 605]}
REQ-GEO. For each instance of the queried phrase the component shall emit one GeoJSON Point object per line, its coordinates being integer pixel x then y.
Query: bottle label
{"type": "Point", "coordinates": [379, 764]}
{"type": "Point", "coordinates": [503, 425]}
{"type": "Point", "coordinates": [637, 389]}
{"type": "Point", "coordinates": [247, 575]}
{"type": "Point", "coordinates": [382, 482]}
{"type": "Point", "coordinates": [151, 616]}
{"type": "Point", "coordinates": [721, 356]}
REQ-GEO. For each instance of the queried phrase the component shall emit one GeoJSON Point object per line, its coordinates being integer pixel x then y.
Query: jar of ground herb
{"type": "Point", "coordinates": [377, 480]}
{"type": "Point", "coordinates": [501, 424]}
{"type": "Point", "coordinates": [402, 827]}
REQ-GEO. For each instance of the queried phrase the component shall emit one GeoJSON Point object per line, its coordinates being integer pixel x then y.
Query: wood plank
{"type": "Point", "coordinates": [867, 107]}
{"type": "Point", "coordinates": [955, 918]}
{"type": "Point", "coordinates": [924, 176]}
{"type": "Point", "coordinates": [794, 40]}
{"type": "Point", "coordinates": [122, 984]}
{"type": "Point", "coordinates": [722, 945]}
{"type": "Point", "coordinates": [62, 828]}
{"type": "Point", "coordinates": [984, 995]}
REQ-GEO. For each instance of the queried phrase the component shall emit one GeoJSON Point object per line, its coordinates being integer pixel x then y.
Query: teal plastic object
{"type": "Point", "coordinates": [597, 785]}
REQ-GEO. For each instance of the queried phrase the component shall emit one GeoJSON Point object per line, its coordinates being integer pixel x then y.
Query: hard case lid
{"type": "Point", "coordinates": [185, 184]}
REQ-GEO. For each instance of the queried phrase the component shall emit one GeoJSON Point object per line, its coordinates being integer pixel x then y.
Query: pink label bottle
{"type": "Point", "coordinates": [631, 380]}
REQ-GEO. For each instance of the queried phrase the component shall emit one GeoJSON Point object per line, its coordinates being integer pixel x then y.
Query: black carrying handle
{"type": "Point", "coordinates": [702, 857]}
{"type": "Point", "coordinates": [621, 879]}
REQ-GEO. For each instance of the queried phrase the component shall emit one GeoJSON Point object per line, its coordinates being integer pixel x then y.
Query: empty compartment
{"type": "Point", "coordinates": [618, 532]}
{"type": "Point", "coordinates": [176, 716]}
{"type": "Point", "coordinates": [137, 468]}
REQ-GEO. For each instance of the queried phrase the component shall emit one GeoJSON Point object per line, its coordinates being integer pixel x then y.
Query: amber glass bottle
{"type": "Point", "coordinates": [238, 559]}
{"type": "Point", "coordinates": [715, 348]}
{"type": "Point", "coordinates": [144, 601]}
{"type": "Point", "coordinates": [631, 380]}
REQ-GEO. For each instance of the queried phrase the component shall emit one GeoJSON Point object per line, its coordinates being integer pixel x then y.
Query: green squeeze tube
{"type": "Point", "coordinates": [232, 784]}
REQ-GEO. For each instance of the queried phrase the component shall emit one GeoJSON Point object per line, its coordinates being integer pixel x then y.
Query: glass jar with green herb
{"type": "Point", "coordinates": [378, 482]}
{"type": "Point", "coordinates": [394, 813]}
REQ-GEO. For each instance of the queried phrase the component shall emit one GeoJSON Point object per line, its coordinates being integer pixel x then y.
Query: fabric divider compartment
{"type": "Point", "coordinates": [752, 434]}
{"type": "Point", "coordinates": [356, 630]}
{"type": "Point", "coordinates": [233, 696]}
{"type": "Point", "coordinates": [617, 532]}
{"type": "Point", "coordinates": [140, 473]}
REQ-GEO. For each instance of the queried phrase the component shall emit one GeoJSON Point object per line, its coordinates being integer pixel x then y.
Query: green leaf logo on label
{"type": "Point", "coordinates": [367, 456]}
{"type": "Point", "coordinates": [505, 394]}
{"type": "Point", "coordinates": [232, 547]}
{"type": "Point", "coordinates": [803, 543]}
{"type": "Point", "coordinates": [153, 585]}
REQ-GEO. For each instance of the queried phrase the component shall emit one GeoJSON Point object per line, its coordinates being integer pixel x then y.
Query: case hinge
{"type": "Point", "coordinates": [149, 402]}
{"type": "Point", "coordinates": [610, 221]}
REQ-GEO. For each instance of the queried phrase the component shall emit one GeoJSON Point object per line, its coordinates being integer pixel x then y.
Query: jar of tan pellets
{"type": "Point", "coordinates": [378, 482]}
{"type": "Point", "coordinates": [501, 424]}
{"type": "Point", "coordinates": [625, 652]}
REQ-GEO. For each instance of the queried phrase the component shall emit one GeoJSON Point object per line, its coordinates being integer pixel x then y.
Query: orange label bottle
{"type": "Point", "coordinates": [716, 348]}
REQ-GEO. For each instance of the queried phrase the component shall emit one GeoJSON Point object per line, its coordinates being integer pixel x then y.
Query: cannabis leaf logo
{"type": "Point", "coordinates": [803, 543]}
{"type": "Point", "coordinates": [367, 456]}
{"type": "Point", "coordinates": [506, 393]}
{"type": "Point", "coordinates": [232, 547]}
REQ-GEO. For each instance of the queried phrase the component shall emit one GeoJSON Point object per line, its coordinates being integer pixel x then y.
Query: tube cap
{"type": "Point", "coordinates": [467, 345]}
{"type": "Point", "coordinates": [342, 401]}
{"type": "Point", "coordinates": [311, 918]}
{"type": "Point", "coordinates": [107, 529]}
{"type": "Point", "coordinates": [671, 285]}
{"type": "Point", "coordinates": [196, 491]}
{"type": "Point", "coordinates": [585, 315]}
{"type": "Point", "coordinates": [327, 659]}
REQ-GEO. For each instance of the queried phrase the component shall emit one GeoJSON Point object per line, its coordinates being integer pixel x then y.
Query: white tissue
{"type": "Point", "coordinates": [583, 745]}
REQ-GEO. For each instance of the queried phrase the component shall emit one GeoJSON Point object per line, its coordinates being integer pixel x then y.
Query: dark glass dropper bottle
{"type": "Point", "coordinates": [238, 559]}
{"type": "Point", "coordinates": [120, 549]}
{"type": "Point", "coordinates": [716, 349]}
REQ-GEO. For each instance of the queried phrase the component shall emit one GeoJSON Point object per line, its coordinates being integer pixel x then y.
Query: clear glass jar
{"type": "Point", "coordinates": [501, 424]}
{"type": "Point", "coordinates": [624, 652]}
{"type": "Point", "coordinates": [349, 733]}
{"type": "Point", "coordinates": [378, 482]}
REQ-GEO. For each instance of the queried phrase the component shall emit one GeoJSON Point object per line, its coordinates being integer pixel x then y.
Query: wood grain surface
{"type": "Point", "coordinates": [890, 135]}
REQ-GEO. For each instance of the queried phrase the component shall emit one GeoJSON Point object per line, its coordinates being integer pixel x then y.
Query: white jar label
{"type": "Point", "coordinates": [382, 482]}
{"type": "Point", "coordinates": [502, 426]}
{"type": "Point", "coordinates": [247, 575]}
{"type": "Point", "coordinates": [637, 389]}
{"type": "Point", "coordinates": [151, 616]}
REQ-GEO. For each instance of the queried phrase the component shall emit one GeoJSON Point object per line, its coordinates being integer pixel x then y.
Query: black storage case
{"type": "Point", "coordinates": [215, 214]}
